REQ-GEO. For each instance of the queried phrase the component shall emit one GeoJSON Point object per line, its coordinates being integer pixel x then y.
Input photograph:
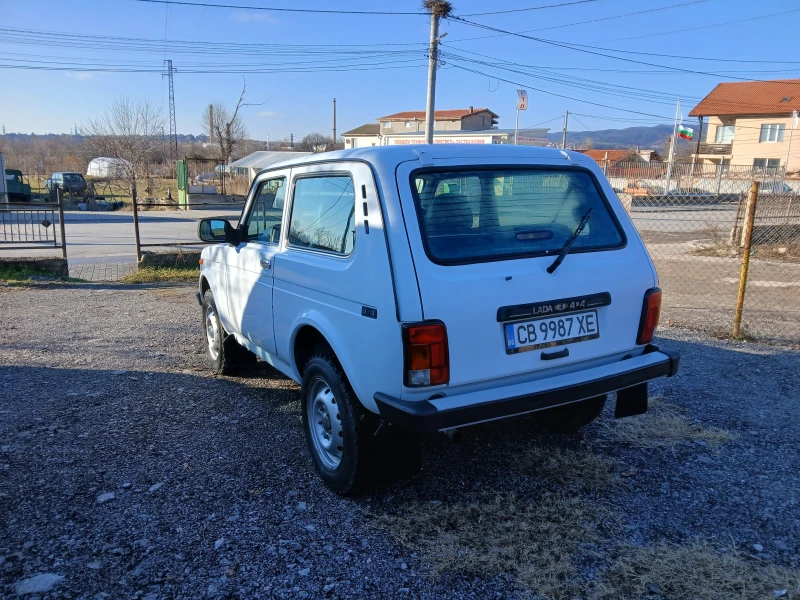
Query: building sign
{"type": "Point", "coordinates": [458, 140]}
{"type": "Point", "coordinates": [539, 141]}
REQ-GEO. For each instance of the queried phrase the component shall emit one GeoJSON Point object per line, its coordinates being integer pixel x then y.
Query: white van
{"type": "Point", "coordinates": [417, 289]}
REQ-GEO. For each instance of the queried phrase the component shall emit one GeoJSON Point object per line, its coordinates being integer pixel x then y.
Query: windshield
{"type": "Point", "coordinates": [493, 214]}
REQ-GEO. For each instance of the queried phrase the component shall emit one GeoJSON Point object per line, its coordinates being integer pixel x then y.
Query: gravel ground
{"type": "Point", "coordinates": [128, 471]}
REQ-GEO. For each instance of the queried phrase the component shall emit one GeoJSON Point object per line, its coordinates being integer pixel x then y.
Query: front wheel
{"type": "Point", "coordinates": [226, 355]}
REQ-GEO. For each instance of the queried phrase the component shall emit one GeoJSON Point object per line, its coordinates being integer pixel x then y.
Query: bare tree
{"type": "Point", "coordinates": [225, 129]}
{"type": "Point", "coordinates": [129, 132]}
{"type": "Point", "coordinates": [315, 142]}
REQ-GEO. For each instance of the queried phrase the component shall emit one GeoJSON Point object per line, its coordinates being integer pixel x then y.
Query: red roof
{"type": "Point", "coordinates": [599, 156]}
{"type": "Point", "coordinates": [778, 97]}
{"type": "Point", "coordinates": [439, 115]}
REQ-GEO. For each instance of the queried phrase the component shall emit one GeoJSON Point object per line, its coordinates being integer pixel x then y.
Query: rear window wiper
{"type": "Point", "coordinates": [561, 255]}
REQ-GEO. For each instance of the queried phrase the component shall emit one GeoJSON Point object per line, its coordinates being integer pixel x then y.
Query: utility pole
{"type": "Point", "coordinates": [438, 9]}
{"type": "Point", "coordinates": [334, 124]}
{"type": "Point", "coordinates": [291, 141]}
{"type": "Point", "coordinates": [173, 128]}
{"type": "Point", "coordinates": [564, 137]}
{"type": "Point", "coordinates": [672, 146]}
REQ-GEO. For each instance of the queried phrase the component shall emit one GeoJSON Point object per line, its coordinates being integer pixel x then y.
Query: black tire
{"type": "Point", "coordinates": [351, 428]}
{"type": "Point", "coordinates": [372, 452]}
{"type": "Point", "coordinates": [570, 417]}
{"type": "Point", "coordinates": [226, 355]}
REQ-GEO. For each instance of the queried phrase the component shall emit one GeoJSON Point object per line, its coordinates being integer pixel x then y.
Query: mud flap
{"type": "Point", "coordinates": [631, 401]}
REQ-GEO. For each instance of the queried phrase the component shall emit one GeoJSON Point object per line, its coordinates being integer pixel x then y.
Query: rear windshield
{"type": "Point", "coordinates": [492, 214]}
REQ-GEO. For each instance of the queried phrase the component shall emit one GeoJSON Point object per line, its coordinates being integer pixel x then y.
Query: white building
{"type": "Point", "coordinates": [108, 167]}
{"type": "Point", "coordinates": [457, 126]}
{"type": "Point", "coordinates": [251, 164]}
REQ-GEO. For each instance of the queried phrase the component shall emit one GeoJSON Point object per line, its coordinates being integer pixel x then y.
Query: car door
{"type": "Point", "coordinates": [249, 266]}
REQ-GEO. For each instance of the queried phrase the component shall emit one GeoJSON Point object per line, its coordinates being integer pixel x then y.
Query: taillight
{"type": "Point", "coordinates": [651, 309]}
{"type": "Point", "coordinates": [427, 360]}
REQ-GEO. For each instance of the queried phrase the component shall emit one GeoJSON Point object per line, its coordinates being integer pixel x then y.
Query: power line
{"type": "Point", "coordinates": [636, 37]}
{"type": "Point", "coordinates": [516, 10]}
{"type": "Point", "coordinates": [640, 12]}
{"type": "Point", "coordinates": [276, 9]}
{"type": "Point", "coordinates": [584, 49]}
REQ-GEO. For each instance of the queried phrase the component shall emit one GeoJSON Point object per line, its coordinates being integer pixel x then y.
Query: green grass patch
{"type": "Point", "coordinates": [25, 276]}
{"type": "Point", "coordinates": [163, 275]}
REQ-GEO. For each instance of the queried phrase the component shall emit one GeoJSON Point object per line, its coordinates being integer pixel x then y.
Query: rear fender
{"type": "Point", "coordinates": [347, 358]}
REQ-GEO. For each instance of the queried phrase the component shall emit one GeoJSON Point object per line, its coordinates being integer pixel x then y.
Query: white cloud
{"type": "Point", "coordinates": [80, 76]}
{"type": "Point", "coordinates": [253, 17]}
{"type": "Point", "coordinates": [266, 114]}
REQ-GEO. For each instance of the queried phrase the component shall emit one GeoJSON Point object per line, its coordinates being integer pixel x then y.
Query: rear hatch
{"type": "Point", "coordinates": [483, 237]}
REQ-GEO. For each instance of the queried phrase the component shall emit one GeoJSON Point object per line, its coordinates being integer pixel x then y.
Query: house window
{"type": "Point", "coordinates": [387, 125]}
{"type": "Point", "coordinates": [724, 134]}
{"type": "Point", "coordinates": [772, 132]}
{"type": "Point", "coordinates": [766, 163]}
{"type": "Point", "coordinates": [409, 124]}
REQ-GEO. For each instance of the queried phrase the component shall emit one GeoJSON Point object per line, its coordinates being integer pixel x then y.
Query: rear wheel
{"type": "Point", "coordinates": [570, 417]}
{"type": "Point", "coordinates": [226, 355]}
{"type": "Point", "coordinates": [351, 448]}
{"type": "Point", "coordinates": [336, 426]}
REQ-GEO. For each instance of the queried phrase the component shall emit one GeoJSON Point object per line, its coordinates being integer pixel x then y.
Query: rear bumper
{"type": "Point", "coordinates": [430, 416]}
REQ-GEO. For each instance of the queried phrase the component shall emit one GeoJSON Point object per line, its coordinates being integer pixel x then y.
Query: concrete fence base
{"type": "Point", "coordinates": [171, 258]}
{"type": "Point", "coordinates": [56, 266]}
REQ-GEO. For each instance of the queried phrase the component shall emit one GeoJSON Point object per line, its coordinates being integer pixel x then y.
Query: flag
{"type": "Point", "coordinates": [522, 100]}
{"type": "Point", "coordinates": [686, 133]}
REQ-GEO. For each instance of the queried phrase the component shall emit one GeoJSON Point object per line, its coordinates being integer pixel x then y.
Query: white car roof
{"type": "Point", "coordinates": [390, 156]}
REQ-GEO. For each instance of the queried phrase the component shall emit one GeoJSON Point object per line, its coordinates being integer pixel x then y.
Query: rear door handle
{"type": "Point", "coordinates": [554, 355]}
{"type": "Point", "coordinates": [266, 264]}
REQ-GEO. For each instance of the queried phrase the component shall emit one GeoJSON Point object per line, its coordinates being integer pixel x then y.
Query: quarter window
{"type": "Point", "coordinates": [772, 132]}
{"type": "Point", "coordinates": [323, 214]}
{"type": "Point", "coordinates": [266, 214]}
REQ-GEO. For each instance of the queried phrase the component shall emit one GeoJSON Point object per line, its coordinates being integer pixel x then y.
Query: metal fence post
{"type": "Point", "coordinates": [136, 221]}
{"type": "Point", "coordinates": [60, 200]}
{"type": "Point", "coordinates": [748, 238]}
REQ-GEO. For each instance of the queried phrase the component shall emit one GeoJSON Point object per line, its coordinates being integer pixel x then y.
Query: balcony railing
{"type": "Point", "coordinates": [715, 149]}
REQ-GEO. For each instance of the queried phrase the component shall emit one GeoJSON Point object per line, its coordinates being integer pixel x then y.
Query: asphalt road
{"type": "Point", "coordinates": [112, 239]}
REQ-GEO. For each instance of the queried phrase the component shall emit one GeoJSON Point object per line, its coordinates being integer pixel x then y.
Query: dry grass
{"type": "Point", "coordinates": [570, 468]}
{"type": "Point", "coordinates": [697, 571]}
{"type": "Point", "coordinates": [664, 425]}
{"type": "Point", "coordinates": [535, 542]}
{"type": "Point", "coordinates": [162, 275]}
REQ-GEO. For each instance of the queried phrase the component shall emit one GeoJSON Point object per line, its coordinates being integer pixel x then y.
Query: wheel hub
{"type": "Point", "coordinates": [325, 423]}
{"type": "Point", "coordinates": [212, 333]}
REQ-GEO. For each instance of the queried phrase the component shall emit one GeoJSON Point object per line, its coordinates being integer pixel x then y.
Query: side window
{"type": "Point", "coordinates": [266, 214]}
{"type": "Point", "coordinates": [323, 214]}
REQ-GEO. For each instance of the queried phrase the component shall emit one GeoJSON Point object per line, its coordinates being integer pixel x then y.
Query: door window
{"type": "Point", "coordinates": [266, 214]}
{"type": "Point", "coordinates": [323, 214]}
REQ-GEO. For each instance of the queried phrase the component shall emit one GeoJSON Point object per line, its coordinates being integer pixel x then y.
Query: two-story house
{"type": "Point", "coordinates": [749, 123]}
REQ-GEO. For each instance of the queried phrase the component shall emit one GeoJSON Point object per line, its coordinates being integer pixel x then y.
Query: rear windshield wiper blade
{"type": "Point", "coordinates": [561, 255]}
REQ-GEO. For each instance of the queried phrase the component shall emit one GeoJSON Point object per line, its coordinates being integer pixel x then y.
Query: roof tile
{"type": "Point", "coordinates": [751, 98]}
{"type": "Point", "coordinates": [455, 113]}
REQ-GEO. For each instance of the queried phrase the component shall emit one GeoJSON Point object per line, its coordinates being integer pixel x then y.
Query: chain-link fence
{"type": "Point", "coordinates": [692, 219]}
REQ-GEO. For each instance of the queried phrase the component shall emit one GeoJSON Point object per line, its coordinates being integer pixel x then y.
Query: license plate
{"type": "Point", "coordinates": [535, 334]}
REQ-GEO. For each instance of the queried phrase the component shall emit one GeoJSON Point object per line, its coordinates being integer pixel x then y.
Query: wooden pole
{"type": "Point", "coordinates": [60, 200]}
{"type": "Point", "coordinates": [748, 238]}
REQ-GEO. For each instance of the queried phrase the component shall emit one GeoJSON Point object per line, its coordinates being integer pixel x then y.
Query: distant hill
{"type": "Point", "coordinates": [654, 138]}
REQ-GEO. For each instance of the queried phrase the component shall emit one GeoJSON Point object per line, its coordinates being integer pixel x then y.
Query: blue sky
{"type": "Point", "coordinates": [388, 52]}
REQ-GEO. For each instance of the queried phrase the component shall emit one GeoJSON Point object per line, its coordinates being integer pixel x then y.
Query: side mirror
{"type": "Point", "coordinates": [217, 231]}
